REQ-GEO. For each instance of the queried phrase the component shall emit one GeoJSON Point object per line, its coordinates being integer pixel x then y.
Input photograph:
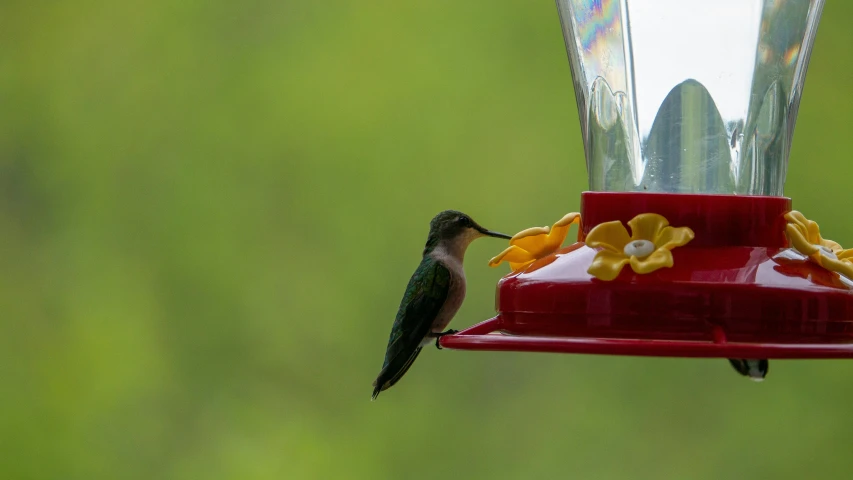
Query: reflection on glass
{"type": "Point", "coordinates": [688, 96]}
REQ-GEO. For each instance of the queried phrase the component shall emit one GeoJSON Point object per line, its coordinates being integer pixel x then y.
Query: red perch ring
{"type": "Point", "coordinates": [735, 291]}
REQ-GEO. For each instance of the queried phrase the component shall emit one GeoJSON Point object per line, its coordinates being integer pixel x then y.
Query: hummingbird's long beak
{"type": "Point", "coordinates": [490, 233]}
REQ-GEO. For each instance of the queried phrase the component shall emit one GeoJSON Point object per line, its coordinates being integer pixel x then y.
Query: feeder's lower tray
{"type": "Point", "coordinates": [733, 302]}
{"type": "Point", "coordinates": [480, 337]}
{"type": "Point", "coordinates": [721, 298]}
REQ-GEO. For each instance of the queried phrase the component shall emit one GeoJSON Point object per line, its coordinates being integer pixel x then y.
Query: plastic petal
{"type": "Point", "coordinates": [610, 235]}
{"type": "Point", "coordinates": [671, 237]}
{"type": "Point", "coordinates": [512, 254]}
{"type": "Point", "coordinates": [659, 259]}
{"type": "Point", "coordinates": [531, 239]}
{"type": "Point", "coordinates": [560, 231]}
{"type": "Point", "coordinates": [797, 218]}
{"type": "Point", "coordinates": [606, 265]}
{"type": "Point", "coordinates": [834, 246]}
{"type": "Point", "coordinates": [799, 240]}
{"type": "Point", "coordinates": [845, 254]}
{"type": "Point", "coordinates": [843, 267]}
{"type": "Point", "coordinates": [813, 232]}
{"type": "Point", "coordinates": [568, 219]}
{"type": "Point", "coordinates": [647, 226]}
{"type": "Point", "coordinates": [520, 266]}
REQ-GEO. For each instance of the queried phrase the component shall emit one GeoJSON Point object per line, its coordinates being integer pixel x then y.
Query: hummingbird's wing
{"type": "Point", "coordinates": [425, 295]}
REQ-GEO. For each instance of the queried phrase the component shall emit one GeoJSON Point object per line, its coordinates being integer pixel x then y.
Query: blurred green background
{"type": "Point", "coordinates": [209, 211]}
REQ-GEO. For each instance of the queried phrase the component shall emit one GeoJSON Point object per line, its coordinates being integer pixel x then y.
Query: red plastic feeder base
{"type": "Point", "coordinates": [735, 291]}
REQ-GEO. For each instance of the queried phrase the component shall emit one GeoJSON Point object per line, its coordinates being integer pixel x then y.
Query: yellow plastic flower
{"type": "Point", "coordinates": [530, 245]}
{"type": "Point", "coordinates": [804, 235]}
{"type": "Point", "coordinates": [647, 248]}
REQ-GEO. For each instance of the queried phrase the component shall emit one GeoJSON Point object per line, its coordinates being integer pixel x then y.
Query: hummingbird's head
{"type": "Point", "coordinates": [456, 231]}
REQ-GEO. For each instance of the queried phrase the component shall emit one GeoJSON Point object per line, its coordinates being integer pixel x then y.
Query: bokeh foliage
{"type": "Point", "coordinates": [209, 210]}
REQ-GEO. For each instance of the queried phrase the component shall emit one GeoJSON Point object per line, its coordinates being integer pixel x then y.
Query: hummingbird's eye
{"type": "Point", "coordinates": [463, 221]}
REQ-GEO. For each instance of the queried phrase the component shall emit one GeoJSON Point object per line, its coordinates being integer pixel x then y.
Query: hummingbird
{"type": "Point", "coordinates": [756, 370]}
{"type": "Point", "coordinates": [433, 296]}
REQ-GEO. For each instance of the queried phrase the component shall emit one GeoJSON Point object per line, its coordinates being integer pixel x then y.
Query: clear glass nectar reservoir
{"type": "Point", "coordinates": [688, 96]}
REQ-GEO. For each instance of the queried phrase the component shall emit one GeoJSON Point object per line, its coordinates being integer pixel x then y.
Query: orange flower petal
{"type": "Point", "coordinates": [556, 238]}
{"type": "Point", "coordinates": [534, 243]}
{"type": "Point", "coordinates": [520, 266]}
{"type": "Point", "coordinates": [607, 264]}
{"type": "Point", "coordinates": [568, 219]}
{"type": "Point", "coordinates": [531, 239]}
{"type": "Point", "coordinates": [554, 242]}
{"type": "Point", "coordinates": [560, 231]}
{"type": "Point", "coordinates": [512, 254]}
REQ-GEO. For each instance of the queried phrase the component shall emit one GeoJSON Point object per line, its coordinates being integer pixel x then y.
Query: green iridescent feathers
{"type": "Point", "coordinates": [425, 295]}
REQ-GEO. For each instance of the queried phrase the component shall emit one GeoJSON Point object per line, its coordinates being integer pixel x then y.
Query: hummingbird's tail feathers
{"type": "Point", "coordinates": [396, 378]}
{"type": "Point", "coordinates": [754, 369]}
{"type": "Point", "coordinates": [738, 365]}
{"type": "Point", "coordinates": [393, 372]}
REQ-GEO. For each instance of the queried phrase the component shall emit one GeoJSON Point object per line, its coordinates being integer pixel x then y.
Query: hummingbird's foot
{"type": "Point", "coordinates": [439, 335]}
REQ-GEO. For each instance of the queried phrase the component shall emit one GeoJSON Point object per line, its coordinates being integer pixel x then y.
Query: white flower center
{"type": "Point", "coordinates": [826, 252]}
{"type": "Point", "coordinates": [639, 248]}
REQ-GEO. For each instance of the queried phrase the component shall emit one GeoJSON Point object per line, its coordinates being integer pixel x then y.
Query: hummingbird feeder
{"type": "Point", "coordinates": [686, 245]}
